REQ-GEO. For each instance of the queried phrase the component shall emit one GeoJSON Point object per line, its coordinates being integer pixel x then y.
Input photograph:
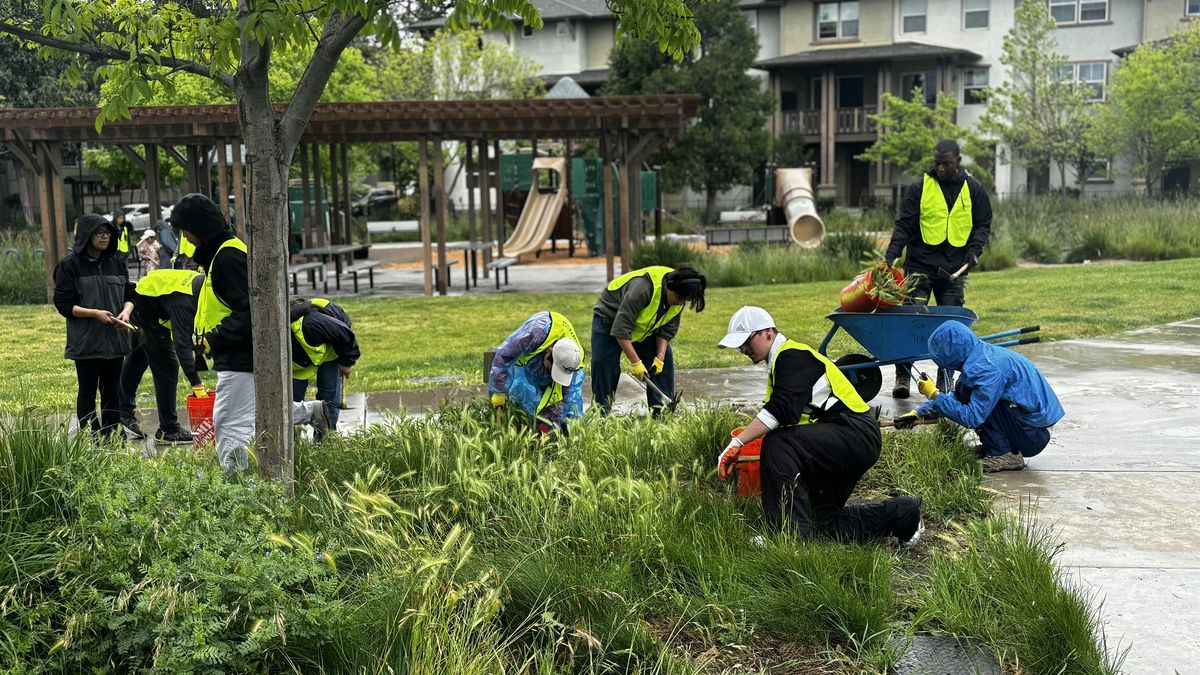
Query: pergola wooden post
{"type": "Point", "coordinates": [152, 182]}
{"type": "Point", "coordinates": [239, 188]}
{"type": "Point", "coordinates": [607, 208]}
{"type": "Point", "coordinates": [472, 231]}
{"type": "Point", "coordinates": [426, 223]}
{"type": "Point", "coordinates": [624, 197]}
{"type": "Point", "coordinates": [319, 213]}
{"type": "Point", "coordinates": [501, 201]}
{"type": "Point", "coordinates": [439, 189]}
{"type": "Point", "coordinates": [335, 197]}
{"type": "Point", "coordinates": [485, 203]}
{"type": "Point", "coordinates": [223, 180]}
{"type": "Point", "coordinates": [306, 218]}
{"type": "Point", "coordinates": [349, 234]}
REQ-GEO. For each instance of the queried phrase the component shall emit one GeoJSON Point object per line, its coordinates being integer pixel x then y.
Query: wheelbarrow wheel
{"type": "Point", "coordinates": [867, 381]}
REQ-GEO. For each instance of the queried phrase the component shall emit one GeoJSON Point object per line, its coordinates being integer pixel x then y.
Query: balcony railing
{"type": "Point", "coordinates": [849, 121]}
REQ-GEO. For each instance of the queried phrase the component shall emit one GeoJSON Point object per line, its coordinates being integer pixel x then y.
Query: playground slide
{"type": "Point", "coordinates": [541, 210]}
{"type": "Point", "coordinates": [794, 194]}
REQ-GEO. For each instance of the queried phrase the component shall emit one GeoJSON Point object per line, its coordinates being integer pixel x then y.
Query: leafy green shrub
{"type": "Point", "coordinates": [999, 254]}
{"type": "Point", "coordinates": [1093, 241]}
{"type": "Point", "coordinates": [668, 252]}
{"type": "Point", "coordinates": [1039, 247]}
{"type": "Point", "coordinates": [22, 271]}
{"type": "Point", "coordinates": [851, 246]}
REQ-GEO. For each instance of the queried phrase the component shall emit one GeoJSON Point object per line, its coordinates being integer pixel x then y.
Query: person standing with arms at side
{"type": "Point", "coordinates": [124, 235]}
{"type": "Point", "coordinates": [637, 315]}
{"type": "Point", "coordinates": [147, 248]}
{"type": "Point", "coordinates": [323, 348]}
{"type": "Point", "coordinates": [538, 368]}
{"type": "Point", "coordinates": [223, 329]}
{"type": "Point", "coordinates": [164, 308]}
{"type": "Point", "coordinates": [92, 291]}
{"type": "Point", "coordinates": [945, 220]}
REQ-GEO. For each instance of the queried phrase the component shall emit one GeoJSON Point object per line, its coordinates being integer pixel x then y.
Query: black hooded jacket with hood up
{"type": "Point", "coordinates": [93, 283]}
{"type": "Point", "coordinates": [230, 342]}
{"type": "Point", "coordinates": [926, 259]}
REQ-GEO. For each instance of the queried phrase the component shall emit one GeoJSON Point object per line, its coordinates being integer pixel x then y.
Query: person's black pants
{"type": "Point", "coordinates": [606, 368]}
{"type": "Point", "coordinates": [809, 471]}
{"type": "Point", "coordinates": [104, 376]}
{"type": "Point", "coordinates": [948, 293]}
{"type": "Point", "coordinates": [156, 351]}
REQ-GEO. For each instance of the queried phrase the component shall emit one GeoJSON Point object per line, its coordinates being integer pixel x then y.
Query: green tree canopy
{"type": "Point", "coordinates": [908, 130]}
{"type": "Point", "coordinates": [730, 138]}
{"type": "Point", "coordinates": [1153, 108]}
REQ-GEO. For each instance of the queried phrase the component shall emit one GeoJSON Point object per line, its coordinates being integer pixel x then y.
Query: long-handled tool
{"type": "Point", "coordinates": [672, 402]}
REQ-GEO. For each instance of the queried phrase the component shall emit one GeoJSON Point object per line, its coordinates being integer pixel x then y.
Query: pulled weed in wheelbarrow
{"type": "Point", "coordinates": [880, 285]}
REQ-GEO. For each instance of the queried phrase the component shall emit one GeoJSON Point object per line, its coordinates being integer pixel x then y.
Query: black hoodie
{"type": "Point", "coordinates": [229, 342]}
{"type": "Point", "coordinates": [324, 326]}
{"type": "Point", "coordinates": [93, 283]}
{"type": "Point", "coordinates": [927, 259]}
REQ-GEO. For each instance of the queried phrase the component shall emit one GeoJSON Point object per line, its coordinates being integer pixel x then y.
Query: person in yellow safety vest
{"type": "Point", "coordinates": [945, 220]}
{"type": "Point", "coordinates": [637, 315]}
{"type": "Point", "coordinates": [185, 257]}
{"type": "Point", "coordinates": [164, 310]}
{"type": "Point", "coordinates": [223, 330]}
{"type": "Point", "coordinates": [539, 369]}
{"type": "Point", "coordinates": [124, 230]}
{"type": "Point", "coordinates": [819, 438]}
{"type": "Point", "coordinates": [323, 348]}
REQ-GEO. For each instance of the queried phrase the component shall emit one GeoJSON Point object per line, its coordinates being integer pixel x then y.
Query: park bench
{"type": "Point", "coordinates": [449, 277]}
{"type": "Point", "coordinates": [768, 234]}
{"type": "Point", "coordinates": [309, 267]}
{"type": "Point", "coordinates": [501, 264]}
{"type": "Point", "coordinates": [367, 266]}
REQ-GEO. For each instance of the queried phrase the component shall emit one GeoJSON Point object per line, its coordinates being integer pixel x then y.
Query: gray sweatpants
{"type": "Point", "coordinates": [233, 417]}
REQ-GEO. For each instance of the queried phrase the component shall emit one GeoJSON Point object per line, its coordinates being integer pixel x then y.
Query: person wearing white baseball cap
{"type": "Point", "coordinates": [539, 368]}
{"type": "Point", "coordinates": [819, 438]}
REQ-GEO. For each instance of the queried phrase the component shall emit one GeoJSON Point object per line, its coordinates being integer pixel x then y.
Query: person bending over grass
{"type": "Point", "coordinates": [819, 440]}
{"type": "Point", "coordinates": [539, 368]}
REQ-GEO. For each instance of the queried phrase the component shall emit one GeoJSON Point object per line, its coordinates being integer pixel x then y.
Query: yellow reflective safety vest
{"type": "Point", "coordinates": [939, 223]}
{"type": "Point", "coordinates": [839, 386]}
{"type": "Point", "coordinates": [122, 239]}
{"type": "Point", "coordinates": [560, 327]}
{"type": "Point", "coordinates": [185, 248]}
{"type": "Point", "coordinates": [165, 282]}
{"type": "Point", "coordinates": [648, 320]}
{"type": "Point", "coordinates": [209, 308]}
{"type": "Point", "coordinates": [317, 354]}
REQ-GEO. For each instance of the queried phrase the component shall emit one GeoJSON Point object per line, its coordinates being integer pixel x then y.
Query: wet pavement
{"type": "Point", "coordinates": [1120, 482]}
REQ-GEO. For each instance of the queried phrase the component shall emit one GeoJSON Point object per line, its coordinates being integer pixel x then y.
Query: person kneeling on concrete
{"type": "Point", "coordinates": [819, 440]}
{"type": "Point", "coordinates": [1000, 394]}
{"type": "Point", "coordinates": [323, 348]}
{"type": "Point", "coordinates": [539, 369]}
{"type": "Point", "coordinates": [164, 309]}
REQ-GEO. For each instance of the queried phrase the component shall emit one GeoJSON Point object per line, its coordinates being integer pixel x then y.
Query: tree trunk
{"type": "Point", "coordinates": [1062, 185]}
{"type": "Point", "coordinates": [710, 206]}
{"type": "Point", "coordinates": [267, 230]}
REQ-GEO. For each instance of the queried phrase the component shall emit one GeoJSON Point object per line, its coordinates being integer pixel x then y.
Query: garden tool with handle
{"type": "Point", "coordinates": [672, 403]}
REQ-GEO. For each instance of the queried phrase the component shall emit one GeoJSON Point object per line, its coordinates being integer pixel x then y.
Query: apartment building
{"type": "Point", "coordinates": [829, 62]}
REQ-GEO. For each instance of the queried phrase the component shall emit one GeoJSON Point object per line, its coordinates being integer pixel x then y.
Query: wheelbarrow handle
{"type": "Point", "coordinates": [1010, 333]}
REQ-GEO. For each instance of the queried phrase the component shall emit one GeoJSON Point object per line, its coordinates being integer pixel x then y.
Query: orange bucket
{"type": "Point", "coordinates": [748, 481]}
{"type": "Point", "coordinates": [200, 413]}
{"type": "Point", "coordinates": [856, 295]}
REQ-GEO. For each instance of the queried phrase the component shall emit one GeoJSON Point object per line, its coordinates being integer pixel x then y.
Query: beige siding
{"type": "Point", "coordinates": [599, 41]}
{"type": "Point", "coordinates": [1164, 18]}
{"type": "Point", "coordinates": [798, 26]}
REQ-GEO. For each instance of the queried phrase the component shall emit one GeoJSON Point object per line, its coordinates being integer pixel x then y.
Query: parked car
{"type": "Point", "coordinates": [138, 215]}
{"type": "Point", "coordinates": [375, 199]}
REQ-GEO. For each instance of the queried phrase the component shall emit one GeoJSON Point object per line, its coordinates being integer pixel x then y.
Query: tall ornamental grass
{"type": "Point", "coordinates": [22, 271]}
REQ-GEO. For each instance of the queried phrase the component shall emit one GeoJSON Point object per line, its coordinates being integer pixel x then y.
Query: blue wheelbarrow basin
{"type": "Point", "coordinates": [898, 334]}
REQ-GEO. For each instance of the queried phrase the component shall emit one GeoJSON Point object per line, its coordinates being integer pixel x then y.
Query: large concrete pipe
{"type": "Point", "coordinates": [794, 194]}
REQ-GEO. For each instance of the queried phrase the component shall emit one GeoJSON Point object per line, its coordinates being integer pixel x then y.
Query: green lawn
{"type": "Point", "coordinates": [407, 339]}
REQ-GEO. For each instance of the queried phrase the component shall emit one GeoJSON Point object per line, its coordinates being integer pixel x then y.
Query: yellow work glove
{"type": "Point", "coordinates": [728, 458]}
{"type": "Point", "coordinates": [638, 370]}
{"type": "Point", "coordinates": [204, 345]}
{"type": "Point", "coordinates": [499, 399]}
{"type": "Point", "coordinates": [906, 421]}
{"type": "Point", "coordinates": [199, 391]}
{"type": "Point", "coordinates": [927, 388]}
{"type": "Point", "coordinates": [657, 366]}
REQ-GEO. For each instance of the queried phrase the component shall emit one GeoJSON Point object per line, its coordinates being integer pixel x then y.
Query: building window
{"type": "Point", "coordinates": [751, 16]}
{"type": "Point", "coordinates": [975, 82]}
{"type": "Point", "coordinates": [1098, 171]}
{"type": "Point", "coordinates": [526, 31]}
{"type": "Point", "coordinates": [850, 91]}
{"type": "Point", "coordinates": [1092, 77]}
{"type": "Point", "coordinates": [976, 13]}
{"type": "Point", "coordinates": [562, 28]}
{"type": "Point", "coordinates": [912, 16]}
{"type": "Point", "coordinates": [1079, 11]}
{"type": "Point", "coordinates": [922, 85]}
{"type": "Point", "coordinates": [1193, 8]}
{"type": "Point", "coordinates": [814, 93]}
{"type": "Point", "coordinates": [837, 20]}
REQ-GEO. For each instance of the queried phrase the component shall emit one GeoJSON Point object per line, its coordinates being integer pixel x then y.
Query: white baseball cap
{"type": "Point", "coordinates": [744, 322]}
{"type": "Point", "coordinates": [567, 358]}
{"type": "Point", "coordinates": [146, 235]}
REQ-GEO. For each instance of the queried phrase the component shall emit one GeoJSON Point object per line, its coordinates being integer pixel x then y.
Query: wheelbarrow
{"type": "Point", "coordinates": [900, 335]}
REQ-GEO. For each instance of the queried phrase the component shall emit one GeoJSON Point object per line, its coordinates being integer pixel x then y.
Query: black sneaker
{"type": "Point", "coordinates": [131, 427]}
{"type": "Point", "coordinates": [177, 437]}
{"type": "Point", "coordinates": [901, 388]}
{"type": "Point", "coordinates": [909, 524]}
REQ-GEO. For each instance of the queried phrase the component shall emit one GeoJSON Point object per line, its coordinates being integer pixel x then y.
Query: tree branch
{"type": "Point", "coordinates": [339, 31]}
{"type": "Point", "coordinates": [114, 55]}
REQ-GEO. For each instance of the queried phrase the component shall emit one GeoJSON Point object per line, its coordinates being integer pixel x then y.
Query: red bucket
{"type": "Point", "coordinates": [200, 412]}
{"type": "Point", "coordinates": [748, 483]}
{"type": "Point", "coordinates": [856, 296]}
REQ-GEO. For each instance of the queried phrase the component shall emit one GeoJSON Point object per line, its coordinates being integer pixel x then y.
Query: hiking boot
{"type": "Point", "coordinates": [318, 419]}
{"type": "Point", "coordinates": [176, 437]}
{"type": "Point", "coordinates": [909, 525]}
{"type": "Point", "coordinates": [131, 427]}
{"type": "Point", "coordinates": [901, 388]}
{"type": "Point", "coordinates": [1012, 461]}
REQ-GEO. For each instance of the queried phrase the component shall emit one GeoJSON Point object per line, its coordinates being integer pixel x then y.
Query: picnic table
{"type": "Point", "coordinates": [337, 252]}
{"type": "Point", "coordinates": [470, 251]}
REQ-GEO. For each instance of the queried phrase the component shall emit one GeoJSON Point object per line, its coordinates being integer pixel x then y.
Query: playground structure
{"type": "Point", "coordinates": [794, 194]}
{"type": "Point", "coordinates": [542, 207]}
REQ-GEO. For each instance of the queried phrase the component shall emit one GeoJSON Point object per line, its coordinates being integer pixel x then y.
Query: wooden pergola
{"type": "Point", "coordinates": [629, 128]}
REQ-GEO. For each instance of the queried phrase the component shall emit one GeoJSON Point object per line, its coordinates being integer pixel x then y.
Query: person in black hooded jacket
{"type": "Point", "coordinates": [92, 290]}
{"type": "Point", "coordinates": [222, 329]}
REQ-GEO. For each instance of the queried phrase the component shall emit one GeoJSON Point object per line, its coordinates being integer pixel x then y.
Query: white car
{"type": "Point", "coordinates": [138, 215]}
